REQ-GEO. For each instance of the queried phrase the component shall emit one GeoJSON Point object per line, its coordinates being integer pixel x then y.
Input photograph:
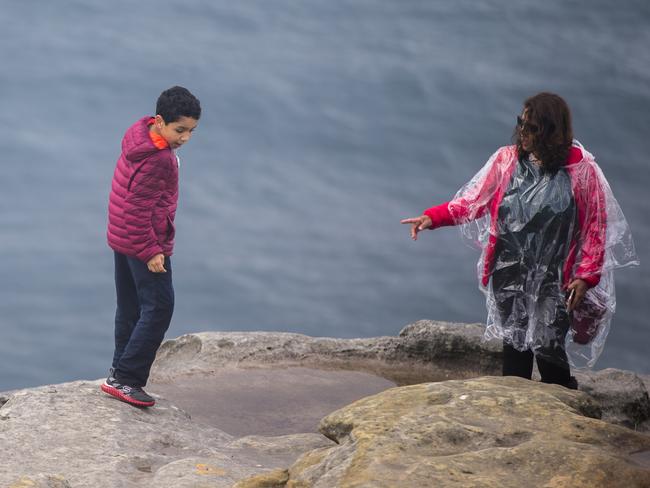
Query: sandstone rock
{"type": "Point", "coordinates": [275, 479]}
{"type": "Point", "coordinates": [41, 481]}
{"type": "Point", "coordinates": [268, 401]}
{"type": "Point", "coordinates": [492, 431]}
{"type": "Point", "coordinates": [215, 471]}
{"type": "Point", "coordinates": [293, 444]}
{"type": "Point", "coordinates": [622, 396]}
{"type": "Point", "coordinates": [424, 351]}
{"type": "Point", "coordinates": [74, 435]}
{"type": "Point", "coordinates": [646, 380]}
{"type": "Point", "coordinates": [426, 340]}
{"type": "Point", "coordinates": [481, 432]}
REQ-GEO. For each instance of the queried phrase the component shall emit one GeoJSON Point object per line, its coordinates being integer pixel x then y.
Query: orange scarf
{"type": "Point", "coordinates": [158, 140]}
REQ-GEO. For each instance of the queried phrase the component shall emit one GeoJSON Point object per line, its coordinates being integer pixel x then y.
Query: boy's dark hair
{"type": "Point", "coordinates": [177, 102]}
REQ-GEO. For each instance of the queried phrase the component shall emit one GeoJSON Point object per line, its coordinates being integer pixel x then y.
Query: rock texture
{"type": "Point", "coordinates": [486, 432]}
{"type": "Point", "coordinates": [424, 351]}
{"type": "Point", "coordinates": [270, 401]}
{"type": "Point", "coordinates": [622, 396]}
{"type": "Point", "coordinates": [449, 430]}
{"type": "Point", "coordinates": [74, 435]}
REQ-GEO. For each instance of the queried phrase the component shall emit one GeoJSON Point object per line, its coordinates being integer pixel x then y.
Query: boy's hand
{"type": "Point", "coordinates": [577, 289]}
{"type": "Point", "coordinates": [417, 224]}
{"type": "Point", "coordinates": [157, 264]}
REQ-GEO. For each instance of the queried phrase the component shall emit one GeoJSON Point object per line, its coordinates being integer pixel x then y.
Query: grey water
{"type": "Point", "coordinates": [324, 123]}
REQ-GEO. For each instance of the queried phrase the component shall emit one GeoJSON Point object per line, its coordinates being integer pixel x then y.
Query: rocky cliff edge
{"type": "Point", "coordinates": [457, 424]}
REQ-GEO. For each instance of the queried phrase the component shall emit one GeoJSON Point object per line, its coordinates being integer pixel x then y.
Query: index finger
{"type": "Point", "coordinates": [414, 220]}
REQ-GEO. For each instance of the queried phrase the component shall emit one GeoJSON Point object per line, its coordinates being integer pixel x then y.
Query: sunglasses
{"type": "Point", "coordinates": [526, 126]}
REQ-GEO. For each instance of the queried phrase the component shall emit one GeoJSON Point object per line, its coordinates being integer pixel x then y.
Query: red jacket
{"type": "Point", "coordinates": [587, 249]}
{"type": "Point", "coordinates": [144, 196]}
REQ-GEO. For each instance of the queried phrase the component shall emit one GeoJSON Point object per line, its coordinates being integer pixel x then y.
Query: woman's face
{"type": "Point", "coordinates": [527, 131]}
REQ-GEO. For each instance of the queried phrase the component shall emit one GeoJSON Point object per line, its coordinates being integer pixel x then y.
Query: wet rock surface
{"type": "Point", "coordinates": [424, 351]}
{"type": "Point", "coordinates": [249, 401]}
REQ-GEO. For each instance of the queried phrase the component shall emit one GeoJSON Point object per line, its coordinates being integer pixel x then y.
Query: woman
{"type": "Point", "coordinates": [551, 234]}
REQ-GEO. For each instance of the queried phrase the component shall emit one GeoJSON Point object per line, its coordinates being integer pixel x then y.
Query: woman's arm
{"type": "Point", "coordinates": [472, 200]}
{"type": "Point", "coordinates": [592, 225]}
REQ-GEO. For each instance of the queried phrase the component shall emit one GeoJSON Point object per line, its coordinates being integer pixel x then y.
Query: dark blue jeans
{"type": "Point", "coordinates": [145, 303]}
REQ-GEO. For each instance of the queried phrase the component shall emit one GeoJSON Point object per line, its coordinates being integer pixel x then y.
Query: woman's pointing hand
{"type": "Point", "coordinates": [417, 224]}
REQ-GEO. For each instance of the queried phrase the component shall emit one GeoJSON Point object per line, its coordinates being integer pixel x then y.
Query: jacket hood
{"type": "Point", "coordinates": [137, 144]}
{"type": "Point", "coordinates": [576, 153]}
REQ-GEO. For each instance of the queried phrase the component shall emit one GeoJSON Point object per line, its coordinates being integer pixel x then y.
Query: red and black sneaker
{"type": "Point", "coordinates": [133, 395]}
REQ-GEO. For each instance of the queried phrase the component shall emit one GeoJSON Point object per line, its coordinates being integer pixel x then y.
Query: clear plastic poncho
{"type": "Point", "coordinates": [539, 231]}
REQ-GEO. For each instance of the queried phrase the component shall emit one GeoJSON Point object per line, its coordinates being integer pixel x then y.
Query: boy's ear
{"type": "Point", "coordinates": [159, 121]}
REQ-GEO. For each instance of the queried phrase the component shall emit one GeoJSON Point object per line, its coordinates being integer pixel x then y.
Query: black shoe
{"type": "Point", "coordinates": [572, 384]}
{"type": "Point", "coordinates": [133, 395]}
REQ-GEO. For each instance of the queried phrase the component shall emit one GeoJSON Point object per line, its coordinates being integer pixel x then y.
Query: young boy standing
{"type": "Point", "coordinates": [141, 211]}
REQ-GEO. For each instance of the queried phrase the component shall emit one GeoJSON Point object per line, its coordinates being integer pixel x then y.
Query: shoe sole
{"type": "Point", "coordinates": [127, 399]}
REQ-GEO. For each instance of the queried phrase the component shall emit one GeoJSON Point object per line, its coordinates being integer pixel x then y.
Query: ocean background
{"type": "Point", "coordinates": [324, 123]}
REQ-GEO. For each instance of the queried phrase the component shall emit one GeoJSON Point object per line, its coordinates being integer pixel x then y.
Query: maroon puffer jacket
{"type": "Point", "coordinates": [144, 195]}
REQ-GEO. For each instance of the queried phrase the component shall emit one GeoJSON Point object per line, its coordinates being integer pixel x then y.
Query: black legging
{"type": "Point", "coordinates": [535, 223]}
{"type": "Point", "coordinates": [551, 357]}
{"type": "Point", "coordinates": [520, 363]}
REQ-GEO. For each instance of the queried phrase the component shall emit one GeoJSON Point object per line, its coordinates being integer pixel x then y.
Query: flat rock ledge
{"type": "Point", "coordinates": [441, 425]}
{"type": "Point", "coordinates": [425, 351]}
{"type": "Point", "coordinates": [73, 435]}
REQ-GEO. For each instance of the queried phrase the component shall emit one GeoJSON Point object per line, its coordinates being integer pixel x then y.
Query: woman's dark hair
{"type": "Point", "coordinates": [548, 121]}
{"type": "Point", "coordinates": [177, 102]}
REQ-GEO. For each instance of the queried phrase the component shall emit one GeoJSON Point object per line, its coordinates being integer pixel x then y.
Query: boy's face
{"type": "Point", "coordinates": [176, 133]}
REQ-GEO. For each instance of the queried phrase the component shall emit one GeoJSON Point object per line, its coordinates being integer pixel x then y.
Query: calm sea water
{"type": "Point", "coordinates": [324, 124]}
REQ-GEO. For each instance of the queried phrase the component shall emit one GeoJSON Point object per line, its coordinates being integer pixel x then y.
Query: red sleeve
{"type": "Point", "coordinates": [471, 205]}
{"type": "Point", "coordinates": [440, 215]}
{"type": "Point", "coordinates": [592, 222]}
{"type": "Point", "coordinates": [144, 193]}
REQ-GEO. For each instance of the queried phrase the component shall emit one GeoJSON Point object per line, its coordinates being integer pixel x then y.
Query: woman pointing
{"type": "Point", "coordinates": [551, 233]}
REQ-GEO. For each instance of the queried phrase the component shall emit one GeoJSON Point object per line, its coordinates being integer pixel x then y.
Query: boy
{"type": "Point", "coordinates": [141, 211]}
